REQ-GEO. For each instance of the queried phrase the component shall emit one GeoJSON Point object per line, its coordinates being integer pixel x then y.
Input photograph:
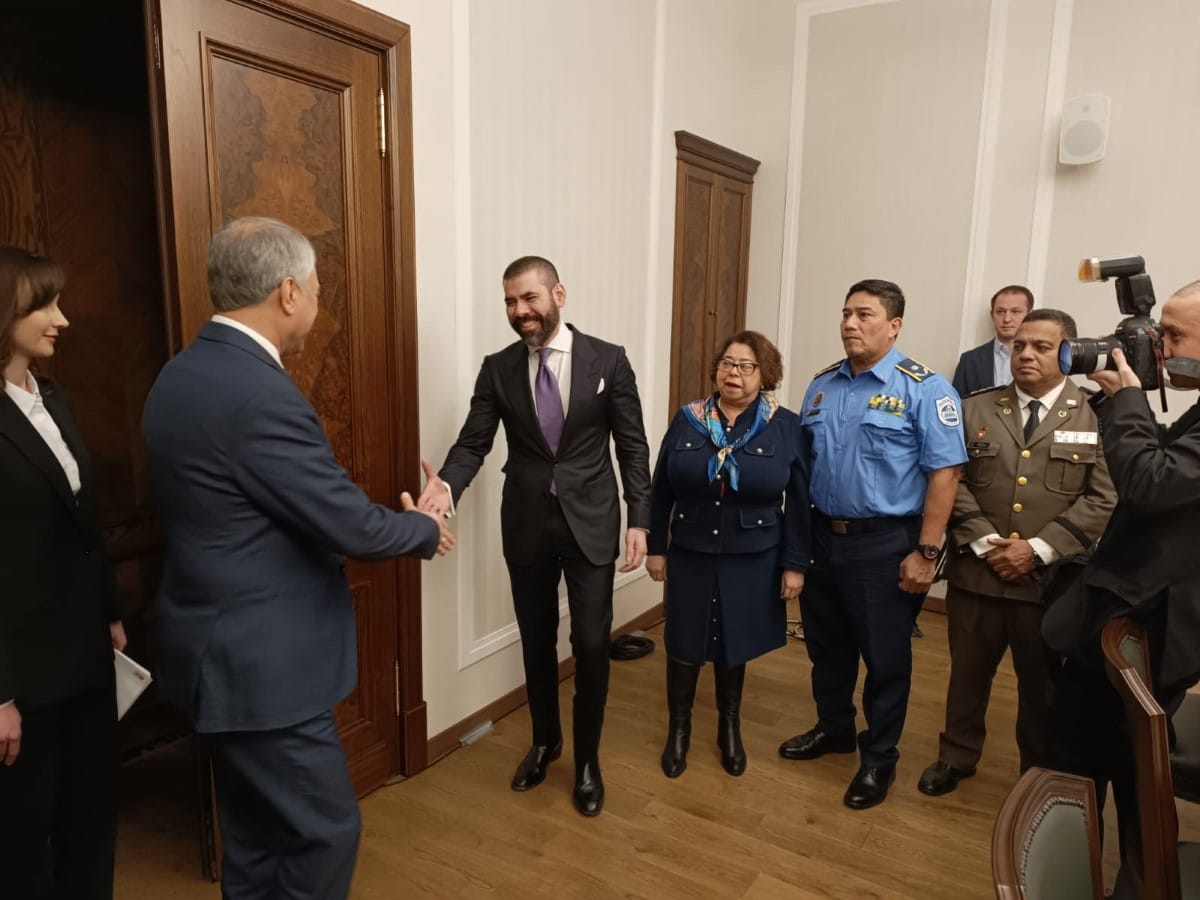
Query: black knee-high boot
{"type": "Point", "coordinates": [729, 730]}
{"type": "Point", "coordinates": [681, 692]}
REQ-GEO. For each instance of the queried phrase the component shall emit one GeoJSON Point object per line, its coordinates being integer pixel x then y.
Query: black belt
{"type": "Point", "coordinates": [862, 526]}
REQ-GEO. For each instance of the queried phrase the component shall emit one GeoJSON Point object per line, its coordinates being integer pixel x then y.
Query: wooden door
{"type": "Point", "coordinates": [714, 186]}
{"type": "Point", "coordinates": [264, 107]}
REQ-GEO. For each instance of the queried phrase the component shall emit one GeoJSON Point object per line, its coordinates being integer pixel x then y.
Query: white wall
{"type": "Point", "coordinates": [909, 139]}
{"type": "Point", "coordinates": [546, 126]}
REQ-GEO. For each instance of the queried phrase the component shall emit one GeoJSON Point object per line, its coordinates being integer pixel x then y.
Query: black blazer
{"type": "Point", "coordinates": [58, 595]}
{"type": "Point", "coordinates": [975, 370]}
{"type": "Point", "coordinates": [604, 403]}
{"type": "Point", "coordinates": [1145, 565]}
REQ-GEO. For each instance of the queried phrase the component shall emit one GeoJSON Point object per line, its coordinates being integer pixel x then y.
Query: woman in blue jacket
{"type": "Point", "coordinates": [729, 547]}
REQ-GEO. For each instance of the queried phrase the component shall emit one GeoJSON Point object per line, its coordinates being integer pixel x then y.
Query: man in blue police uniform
{"type": "Point", "coordinates": [887, 451]}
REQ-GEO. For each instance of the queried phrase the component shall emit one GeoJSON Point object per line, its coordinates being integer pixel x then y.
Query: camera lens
{"type": "Point", "coordinates": [1085, 355]}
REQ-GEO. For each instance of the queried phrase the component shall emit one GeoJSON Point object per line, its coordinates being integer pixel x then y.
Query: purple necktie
{"type": "Point", "coordinates": [549, 405]}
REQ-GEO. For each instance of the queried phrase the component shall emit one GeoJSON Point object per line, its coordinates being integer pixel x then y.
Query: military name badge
{"type": "Point", "coordinates": [1076, 437]}
{"type": "Point", "coordinates": [947, 412]}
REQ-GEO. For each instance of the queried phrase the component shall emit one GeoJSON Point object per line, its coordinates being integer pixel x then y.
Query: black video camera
{"type": "Point", "coordinates": [1137, 335]}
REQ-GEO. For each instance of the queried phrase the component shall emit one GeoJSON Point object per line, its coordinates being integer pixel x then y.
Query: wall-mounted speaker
{"type": "Point", "coordinates": [1083, 136]}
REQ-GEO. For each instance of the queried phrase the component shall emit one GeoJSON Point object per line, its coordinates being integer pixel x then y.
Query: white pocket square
{"type": "Point", "coordinates": [600, 387]}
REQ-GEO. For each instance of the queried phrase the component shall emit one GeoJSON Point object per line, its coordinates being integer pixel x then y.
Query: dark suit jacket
{"type": "Point", "coordinates": [1146, 565]}
{"type": "Point", "coordinates": [256, 627]}
{"type": "Point", "coordinates": [975, 370]}
{"type": "Point", "coordinates": [604, 403]}
{"type": "Point", "coordinates": [57, 596]}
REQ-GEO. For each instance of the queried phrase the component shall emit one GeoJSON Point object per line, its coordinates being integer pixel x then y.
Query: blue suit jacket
{"type": "Point", "coordinates": [256, 627]}
{"type": "Point", "coordinates": [975, 370]}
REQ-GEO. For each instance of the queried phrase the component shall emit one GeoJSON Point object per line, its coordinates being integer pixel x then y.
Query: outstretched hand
{"type": "Point", "coordinates": [445, 537]}
{"type": "Point", "coordinates": [436, 496]}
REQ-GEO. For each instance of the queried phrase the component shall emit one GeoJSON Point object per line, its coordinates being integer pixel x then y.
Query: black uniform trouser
{"type": "Point", "coordinates": [58, 802]}
{"type": "Point", "coordinates": [589, 598]}
{"type": "Point", "coordinates": [853, 607]}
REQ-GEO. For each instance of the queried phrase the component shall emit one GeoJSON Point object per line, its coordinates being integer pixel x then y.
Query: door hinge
{"type": "Point", "coordinates": [157, 46]}
{"type": "Point", "coordinates": [382, 125]}
{"type": "Point", "coordinates": [397, 688]}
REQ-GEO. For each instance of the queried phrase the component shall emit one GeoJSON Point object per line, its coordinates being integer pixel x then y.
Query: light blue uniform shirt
{"type": "Point", "coordinates": [874, 437]}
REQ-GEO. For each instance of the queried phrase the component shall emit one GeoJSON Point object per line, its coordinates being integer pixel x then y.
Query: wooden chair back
{"type": "Point", "coordinates": [1046, 843]}
{"type": "Point", "coordinates": [1126, 657]}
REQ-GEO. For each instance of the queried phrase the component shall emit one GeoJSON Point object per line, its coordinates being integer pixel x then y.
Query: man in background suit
{"type": "Point", "coordinates": [256, 628]}
{"type": "Point", "coordinates": [1145, 567]}
{"type": "Point", "coordinates": [990, 364]}
{"type": "Point", "coordinates": [1036, 488]}
{"type": "Point", "coordinates": [562, 396]}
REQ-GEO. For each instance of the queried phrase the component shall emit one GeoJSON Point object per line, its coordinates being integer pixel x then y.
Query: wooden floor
{"type": "Point", "coordinates": [780, 831]}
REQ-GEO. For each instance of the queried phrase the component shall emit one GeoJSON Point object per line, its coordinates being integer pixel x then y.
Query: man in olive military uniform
{"type": "Point", "coordinates": [1036, 488]}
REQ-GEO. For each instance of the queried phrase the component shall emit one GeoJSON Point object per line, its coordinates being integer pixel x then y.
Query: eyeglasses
{"type": "Point", "coordinates": [745, 366]}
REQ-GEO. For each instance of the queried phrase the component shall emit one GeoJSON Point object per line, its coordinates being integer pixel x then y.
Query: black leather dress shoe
{"type": "Point", "coordinates": [869, 787]}
{"type": "Point", "coordinates": [589, 790]}
{"type": "Point", "coordinates": [816, 743]}
{"type": "Point", "coordinates": [941, 778]}
{"type": "Point", "coordinates": [532, 770]}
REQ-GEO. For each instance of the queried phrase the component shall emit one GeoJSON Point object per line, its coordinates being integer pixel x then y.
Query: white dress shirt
{"type": "Point", "coordinates": [1045, 552]}
{"type": "Point", "coordinates": [252, 334]}
{"type": "Point", "coordinates": [1001, 363]}
{"type": "Point", "coordinates": [29, 402]}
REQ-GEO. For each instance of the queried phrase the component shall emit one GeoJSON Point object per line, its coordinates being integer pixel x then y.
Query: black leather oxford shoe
{"type": "Point", "coordinates": [941, 778]}
{"type": "Point", "coordinates": [869, 787]}
{"type": "Point", "coordinates": [532, 770]}
{"type": "Point", "coordinates": [816, 743]}
{"type": "Point", "coordinates": [589, 790]}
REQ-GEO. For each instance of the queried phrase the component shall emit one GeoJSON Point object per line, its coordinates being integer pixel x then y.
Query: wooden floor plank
{"type": "Point", "coordinates": [780, 832]}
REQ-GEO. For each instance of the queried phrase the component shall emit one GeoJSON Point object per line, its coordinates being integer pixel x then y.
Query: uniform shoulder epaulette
{"type": "Point", "coordinates": [986, 390]}
{"type": "Point", "coordinates": [1086, 391]}
{"type": "Point", "coordinates": [913, 369]}
{"type": "Point", "coordinates": [828, 368]}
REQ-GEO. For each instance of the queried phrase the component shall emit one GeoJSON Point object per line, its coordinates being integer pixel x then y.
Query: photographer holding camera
{"type": "Point", "coordinates": [1145, 565]}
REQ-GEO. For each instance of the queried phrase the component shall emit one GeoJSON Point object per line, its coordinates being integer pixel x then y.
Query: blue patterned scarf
{"type": "Point", "coordinates": [704, 417]}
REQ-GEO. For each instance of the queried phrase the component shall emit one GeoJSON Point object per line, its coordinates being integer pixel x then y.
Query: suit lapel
{"type": "Point", "coordinates": [1008, 410]}
{"type": "Point", "coordinates": [583, 381]}
{"type": "Point", "coordinates": [22, 434]}
{"type": "Point", "coordinates": [522, 394]}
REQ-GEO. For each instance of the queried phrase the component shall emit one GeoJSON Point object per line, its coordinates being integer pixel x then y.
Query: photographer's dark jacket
{"type": "Point", "coordinates": [1056, 487]}
{"type": "Point", "coordinates": [1146, 565]}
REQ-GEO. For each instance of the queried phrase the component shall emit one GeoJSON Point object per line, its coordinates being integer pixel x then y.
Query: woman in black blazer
{"type": "Point", "coordinates": [58, 618]}
{"type": "Point", "coordinates": [722, 538]}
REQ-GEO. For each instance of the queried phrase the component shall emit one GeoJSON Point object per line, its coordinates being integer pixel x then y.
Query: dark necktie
{"type": "Point", "coordinates": [549, 405]}
{"type": "Point", "coordinates": [1031, 423]}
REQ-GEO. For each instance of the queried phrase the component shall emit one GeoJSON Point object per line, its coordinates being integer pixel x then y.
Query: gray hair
{"type": "Point", "coordinates": [250, 257]}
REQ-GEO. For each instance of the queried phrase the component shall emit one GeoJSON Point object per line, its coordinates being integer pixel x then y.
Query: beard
{"type": "Point", "coordinates": [546, 326]}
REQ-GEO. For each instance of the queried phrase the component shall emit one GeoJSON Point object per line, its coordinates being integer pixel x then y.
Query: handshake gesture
{"type": "Point", "coordinates": [427, 504]}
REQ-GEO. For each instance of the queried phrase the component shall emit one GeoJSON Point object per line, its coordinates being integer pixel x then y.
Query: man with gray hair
{"type": "Point", "coordinates": [256, 627]}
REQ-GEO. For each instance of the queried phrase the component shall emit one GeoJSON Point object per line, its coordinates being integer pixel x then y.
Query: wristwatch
{"type": "Point", "coordinates": [929, 551]}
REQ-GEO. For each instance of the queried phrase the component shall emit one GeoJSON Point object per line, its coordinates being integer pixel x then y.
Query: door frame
{"type": "Point", "coordinates": [390, 40]}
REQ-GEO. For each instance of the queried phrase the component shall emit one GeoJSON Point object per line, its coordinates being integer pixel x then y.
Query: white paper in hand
{"type": "Point", "coordinates": [132, 679]}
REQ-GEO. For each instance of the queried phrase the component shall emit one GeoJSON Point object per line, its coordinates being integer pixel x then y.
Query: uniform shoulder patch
{"type": "Point", "coordinates": [913, 369]}
{"type": "Point", "coordinates": [947, 412]}
{"type": "Point", "coordinates": [829, 368]}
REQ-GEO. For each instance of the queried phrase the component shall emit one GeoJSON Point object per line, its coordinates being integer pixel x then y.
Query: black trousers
{"type": "Point", "coordinates": [289, 816]}
{"type": "Point", "coordinates": [589, 598]}
{"type": "Point", "coordinates": [853, 607]}
{"type": "Point", "coordinates": [58, 803]}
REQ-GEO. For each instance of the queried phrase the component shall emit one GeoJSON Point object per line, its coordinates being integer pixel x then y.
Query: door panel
{"type": "Point", "coordinates": [264, 113]}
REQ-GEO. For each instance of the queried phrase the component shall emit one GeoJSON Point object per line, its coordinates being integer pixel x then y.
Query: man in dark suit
{"type": "Point", "coordinates": [989, 364]}
{"type": "Point", "coordinates": [1036, 489]}
{"type": "Point", "coordinates": [256, 627]}
{"type": "Point", "coordinates": [562, 396]}
{"type": "Point", "coordinates": [1145, 567]}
